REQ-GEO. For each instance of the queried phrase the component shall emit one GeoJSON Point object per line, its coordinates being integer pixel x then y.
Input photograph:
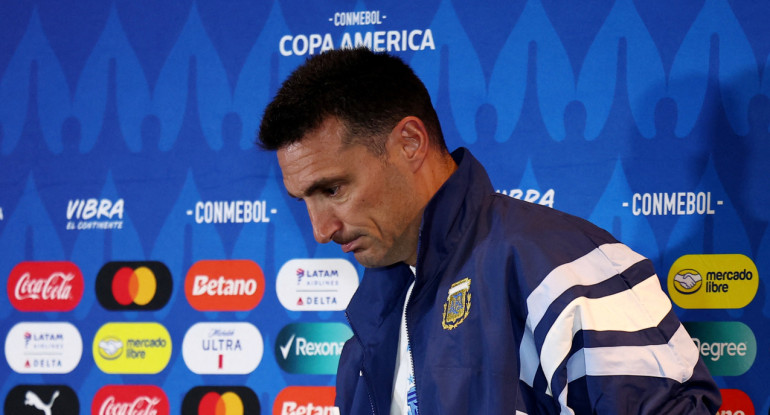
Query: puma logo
{"type": "Point", "coordinates": [31, 399]}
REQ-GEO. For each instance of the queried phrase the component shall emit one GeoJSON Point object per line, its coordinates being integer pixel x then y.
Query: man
{"type": "Point", "coordinates": [472, 302]}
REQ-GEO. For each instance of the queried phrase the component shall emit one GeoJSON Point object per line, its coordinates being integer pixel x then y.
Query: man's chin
{"type": "Point", "coordinates": [365, 258]}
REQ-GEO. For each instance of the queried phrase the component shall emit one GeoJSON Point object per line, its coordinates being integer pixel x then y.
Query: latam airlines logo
{"type": "Point", "coordinates": [222, 348]}
{"type": "Point", "coordinates": [226, 285]}
{"type": "Point", "coordinates": [300, 400]}
{"type": "Point", "coordinates": [134, 285]}
{"type": "Point", "coordinates": [132, 348]}
{"type": "Point", "coordinates": [316, 284]}
{"type": "Point", "coordinates": [104, 214]}
{"type": "Point", "coordinates": [33, 347]}
{"type": "Point", "coordinates": [311, 348]}
{"type": "Point", "coordinates": [42, 399]}
{"type": "Point", "coordinates": [45, 286]}
{"type": "Point", "coordinates": [134, 399]}
{"type": "Point", "coordinates": [221, 400]}
{"type": "Point", "coordinates": [713, 281]}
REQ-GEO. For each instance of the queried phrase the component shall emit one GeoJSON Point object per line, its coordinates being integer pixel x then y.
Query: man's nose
{"type": "Point", "coordinates": [325, 224]}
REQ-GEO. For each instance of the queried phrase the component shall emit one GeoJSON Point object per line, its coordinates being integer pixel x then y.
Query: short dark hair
{"type": "Point", "coordinates": [369, 92]}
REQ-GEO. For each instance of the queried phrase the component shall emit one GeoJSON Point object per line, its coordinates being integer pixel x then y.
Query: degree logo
{"type": "Point", "coordinates": [713, 281]}
{"type": "Point", "coordinates": [728, 348]}
{"type": "Point", "coordinates": [45, 286]}
{"type": "Point", "coordinates": [299, 400]}
{"type": "Point", "coordinates": [130, 399]}
{"type": "Point", "coordinates": [224, 285]}
{"type": "Point", "coordinates": [220, 400]}
{"type": "Point", "coordinates": [133, 285]}
{"type": "Point", "coordinates": [132, 348]}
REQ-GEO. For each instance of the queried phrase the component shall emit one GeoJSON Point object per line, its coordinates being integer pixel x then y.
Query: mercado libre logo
{"type": "Point", "coordinates": [130, 399]}
{"type": "Point", "coordinates": [311, 348]}
{"type": "Point", "coordinates": [300, 400]}
{"type": "Point", "coordinates": [133, 285]}
{"type": "Point", "coordinates": [220, 400]}
{"type": "Point", "coordinates": [101, 214]}
{"type": "Point", "coordinates": [42, 399]}
{"type": "Point", "coordinates": [714, 281]}
{"type": "Point", "coordinates": [728, 348]}
{"type": "Point", "coordinates": [45, 286]}
{"type": "Point", "coordinates": [222, 348]}
{"type": "Point", "coordinates": [316, 284]}
{"type": "Point", "coordinates": [224, 285]}
{"type": "Point", "coordinates": [132, 348]}
{"type": "Point", "coordinates": [36, 347]}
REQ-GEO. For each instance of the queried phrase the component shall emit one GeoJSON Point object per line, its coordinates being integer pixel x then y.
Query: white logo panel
{"type": "Point", "coordinates": [222, 348]}
{"type": "Point", "coordinates": [316, 284]}
{"type": "Point", "coordinates": [33, 347]}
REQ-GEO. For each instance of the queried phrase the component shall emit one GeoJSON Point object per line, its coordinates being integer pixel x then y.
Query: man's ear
{"type": "Point", "coordinates": [410, 141]}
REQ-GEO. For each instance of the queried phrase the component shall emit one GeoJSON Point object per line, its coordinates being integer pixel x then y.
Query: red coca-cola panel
{"type": "Point", "coordinates": [130, 400]}
{"type": "Point", "coordinates": [45, 286]}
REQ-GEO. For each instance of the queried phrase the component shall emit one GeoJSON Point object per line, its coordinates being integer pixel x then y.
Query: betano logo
{"type": "Point", "coordinates": [224, 285]}
{"type": "Point", "coordinates": [45, 286]}
{"type": "Point", "coordinates": [727, 347]}
{"type": "Point", "coordinates": [311, 348]}
{"type": "Point", "coordinates": [713, 281]}
{"type": "Point", "coordinates": [220, 400]}
{"type": "Point", "coordinates": [305, 400]}
{"type": "Point", "coordinates": [316, 284]}
{"type": "Point", "coordinates": [132, 348]}
{"type": "Point", "coordinates": [134, 285]}
{"type": "Point", "coordinates": [130, 399]}
{"type": "Point", "coordinates": [735, 402]}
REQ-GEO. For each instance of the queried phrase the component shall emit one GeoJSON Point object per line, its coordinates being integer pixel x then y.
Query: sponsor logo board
{"type": "Point", "coordinates": [45, 286]}
{"type": "Point", "coordinates": [297, 400]}
{"type": "Point", "coordinates": [224, 285]}
{"type": "Point", "coordinates": [727, 347]}
{"type": "Point", "coordinates": [713, 281]}
{"type": "Point", "coordinates": [735, 402]}
{"type": "Point", "coordinates": [35, 347]}
{"type": "Point", "coordinates": [130, 400]}
{"type": "Point", "coordinates": [134, 285]}
{"type": "Point", "coordinates": [132, 348]}
{"type": "Point", "coordinates": [220, 400]}
{"type": "Point", "coordinates": [41, 399]}
{"type": "Point", "coordinates": [222, 348]}
{"type": "Point", "coordinates": [316, 284]}
{"type": "Point", "coordinates": [311, 348]}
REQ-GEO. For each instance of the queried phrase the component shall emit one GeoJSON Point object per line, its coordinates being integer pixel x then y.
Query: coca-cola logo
{"type": "Point", "coordinates": [45, 286]}
{"type": "Point", "coordinates": [130, 400]}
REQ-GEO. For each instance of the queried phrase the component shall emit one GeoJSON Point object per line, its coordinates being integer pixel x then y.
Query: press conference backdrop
{"type": "Point", "coordinates": [154, 262]}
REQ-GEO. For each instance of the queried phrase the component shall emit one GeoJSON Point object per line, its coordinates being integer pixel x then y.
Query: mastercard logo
{"type": "Point", "coordinates": [220, 400]}
{"type": "Point", "coordinates": [134, 285]}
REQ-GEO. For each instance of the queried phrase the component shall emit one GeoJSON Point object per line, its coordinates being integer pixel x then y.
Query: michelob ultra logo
{"type": "Point", "coordinates": [222, 348]}
{"type": "Point", "coordinates": [735, 402]}
{"type": "Point", "coordinates": [45, 286]}
{"type": "Point", "coordinates": [225, 285]}
{"type": "Point", "coordinates": [130, 399]}
{"type": "Point", "coordinates": [727, 347]}
{"type": "Point", "coordinates": [713, 281]}
{"type": "Point", "coordinates": [311, 348]}
{"type": "Point", "coordinates": [134, 285]}
{"type": "Point", "coordinates": [305, 400]}
{"type": "Point", "coordinates": [132, 348]}
{"type": "Point", "coordinates": [37, 347]}
{"type": "Point", "coordinates": [220, 400]}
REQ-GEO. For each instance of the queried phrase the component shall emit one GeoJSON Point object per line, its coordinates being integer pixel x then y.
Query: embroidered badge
{"type": "Point", "coordinates": [458, 304]}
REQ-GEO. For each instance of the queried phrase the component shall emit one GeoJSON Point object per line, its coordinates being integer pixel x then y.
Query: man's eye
{"type": "Point", "coordinates": [332, 191]}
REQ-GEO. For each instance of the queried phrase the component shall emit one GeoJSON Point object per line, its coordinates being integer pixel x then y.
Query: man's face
{"type": "Point", "coordinates": [363, 202]}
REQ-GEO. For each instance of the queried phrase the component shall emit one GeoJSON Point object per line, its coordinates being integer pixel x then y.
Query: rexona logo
{"type": "Point", "coordinates": [316, 284]}
{"type": "Point", "coordinates": [713, 281]}
{"type": "Point", "coordinates": [222, 348]}
{"type": "Point", "coordinates": [225, 285]}
{"type": "Point", "coordinates": [130, 400]}
{"type": "Point", "coordinates": [45, 286]}
{"type": "Point", "coordinates": [305, 400]}
{"type": "Point", "coordinates": [735, 402]}
{"type": "Point", "coordinates": [83, 214]}
{"type": "Point", "coordinates": [42, 399]}
{"type": "Point", "coordinates": [33, 347]}
{"type": "Point", "coordinates": [132, 348]}
{"type": "Point", "coordinates": [311, 348]}
{"type": "Point", "coordinates": [144, 285]}
{"type": "Point", "coordinates": [727, 347]}
{"type": "Point", "coordinates": [220, 400]}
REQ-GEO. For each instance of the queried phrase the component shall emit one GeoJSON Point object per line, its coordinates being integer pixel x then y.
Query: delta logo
{"type": "Point", "coordinates": [36, 347]}
{"type": "Point", "coordinates": [132, 348]}
{"type": "Point", "coordinates": [222, 348]}
{"type": "Point", "coordinates": [42, 399]}
{"type": "Point", "coordinates": [305, 400]}
{"type": "Point", "coordinates": [220, 400]}
{"type": "Point", "coordinates": [134, 285]}
{"type": "Point", "coordinates": [224, 285]}
{"type": "Point", "coordinates": [45, 286]}
{"type": "Point", "coordinates": [735, 402]}
{"type": "Point", "coordinates": [130, 400]}
{"type": "Point", "coordinates": [728, 348]}
{"type": "Point", "coordinates": [316, 284]}
{"type": "Point", "coordinates": [713, 281]}
{"type": "Point", "coordinates": [311, 348]}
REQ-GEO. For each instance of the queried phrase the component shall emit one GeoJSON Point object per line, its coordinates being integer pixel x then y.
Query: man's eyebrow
{"type": "Point", "coordinates": [316, 186]}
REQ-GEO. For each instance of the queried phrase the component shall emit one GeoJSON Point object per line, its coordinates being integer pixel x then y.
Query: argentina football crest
{"type": "Point", "coordinates": [457, 305]}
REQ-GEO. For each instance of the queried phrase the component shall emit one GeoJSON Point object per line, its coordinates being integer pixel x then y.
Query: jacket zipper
{"type": "Point", "coordinates": [366, 379]}
{"type": "Point", "coordinates": [406, 320]}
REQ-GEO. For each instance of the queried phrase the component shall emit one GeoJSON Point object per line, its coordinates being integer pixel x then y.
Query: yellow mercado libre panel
{"type": "Point", "coordinates": [713, 281]}
{"type": "Point", "coordinates": [132, 348]}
